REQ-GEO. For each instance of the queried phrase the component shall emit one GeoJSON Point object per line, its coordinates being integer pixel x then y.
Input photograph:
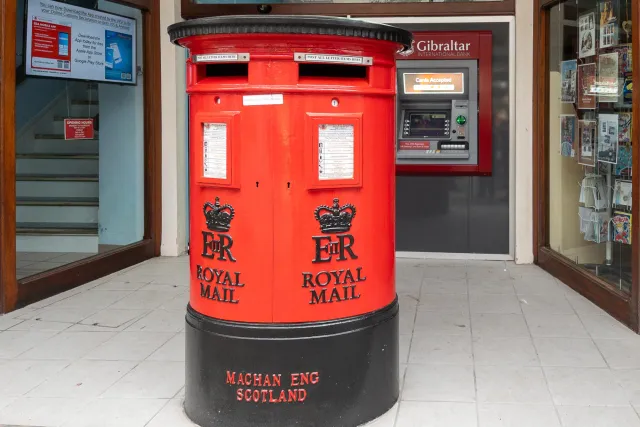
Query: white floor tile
{"type": "Point", "coordinates": [517, 415]}
{"type": "Point", "coordinates": [14, 343]}
{"type": "Point", "coordinates": [555, 325]}
{"type": "Point", "coordinates": [443, 286]}
{"type": "Point", "coordinates": [629, 380]}
{"type": "Point", "coordinates": [598, 416]}
{"type": "Point", "coordinates": [549, 304]}
{"type": "Point", "coordinates": [8, 322]}
{"type": "Point", "coordinates": [484, 271]}
{"type": "Point", "coordinates": [500, 384]}
{"type": "Point", "coordinates": [585, 386]}
{"type": "Point", "coordinates": [584, 307]}
{"type": "Point", "coordinates": [621, 354]}
{"type": "Point", "coordinates": [439, 383]}
{"type": "Point", "coordinates": [491, 286]}
{"type": "Point", "coordinates": [407, 318]}
{"type": "Point", "coordinates": [404, 343]}
{"type": "Point", "coordinates": [92, 298]}
{"type": "Point", "coordinates": [445, 302]}
{"type": "Point", "coordinates": [410, 288]}
{"type": "Point", "coordinates": [606, 327]}
{"type": "Point", "coordinates": [83, 379]}
{"type": "Point", "coordinates": [442, 322]}
{"type": "Point", "coordinates": [441, 349]}
{"type": "Point", "coordinates": [499, 325]}
{"type": "Point", "coordinates": [127, 345]}
{"type": "Point", "coordinates": [494, 303]}
{"type": "Point", "coordinates": [571, 352]}
{"type": "Point", "coordinates": [444, 272]}
{"type": "Point", "coordinates": [35, 411]}
{"type": "Point", "coordinates": [501, 351]}
{"type": "Point", "coordinates": [145, 299]}
{"type": "Point", "coordinates": [39, 325]}
{"type": "Point", "coordinates": [402, 374]}
{"type": "Point", "coordinates": [538, 285]}
{"type": "Point", "coordinates": [116, 285]}
{"type": "Point", "coordinates": [150, 379]}
{"type": "Point", "coordinates": [68, 345]}
{"type": "Point", "coordinates": [172, 351]}
{"type": "Point", "coordinates": [160, 321]}
{"type": "Point", "coordinates": [172, 415]}
{"type": "Point", "coordinates": [436, 414]}
{"type": "Point", "coordinates": [111, 319]}
{"type": "Point", "coordinates": [179, 302]}
{"type": "Point", "coordinates": [180, 394]}
{"type": "Point", "coordinates": [21, 376]}
{"type": "Point", "coordinates": [103, 412]}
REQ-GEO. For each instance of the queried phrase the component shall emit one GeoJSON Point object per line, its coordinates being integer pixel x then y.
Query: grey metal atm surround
{"type": "Point", "coordinates": [451, 143]}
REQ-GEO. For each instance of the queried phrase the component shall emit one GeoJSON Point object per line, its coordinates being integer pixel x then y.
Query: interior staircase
{"type": "Point", "coordinates": [57, 180]}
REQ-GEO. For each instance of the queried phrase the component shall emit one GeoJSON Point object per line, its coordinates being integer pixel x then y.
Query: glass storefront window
{"type": "Point", "coordinates": [590, 135]}
{"type": "Point", "coordinates": [79, 134]}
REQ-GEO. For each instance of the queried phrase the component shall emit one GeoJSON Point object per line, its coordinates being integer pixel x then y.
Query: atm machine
{"type": "Point", "coordinates": [444, 106]}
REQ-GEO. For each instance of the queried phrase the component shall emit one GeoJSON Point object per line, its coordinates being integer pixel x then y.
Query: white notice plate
{"type": "Point", "coordinates": [336, 59]}
{"type": "Point", "coordinates": [222, 57]}
{"type": "Point", "coordinates": [269, 99]}
{"type": "Point", "coordinates": [335, 151]}
{"type": "Point", "coordinates": [214, 150]}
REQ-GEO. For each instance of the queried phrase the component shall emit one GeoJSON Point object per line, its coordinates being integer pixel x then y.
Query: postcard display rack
{"type": "Point", "coordinates": [598, 84]}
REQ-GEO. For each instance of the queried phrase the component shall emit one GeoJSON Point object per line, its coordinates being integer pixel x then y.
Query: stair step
{"type": "Point", "coordinates": [84, 102]}
{"type": "Point", "coordinates": [57, 201]}
{"type": "Point", "coordinates": [43, 177]}
{"type": "Point", "coordinates": [56, 228]}
{"type": "Point", "coordinates": [66, 189]}
{"type": "Point", "coordinates": [55, 136]}
{"type": "Point", "coordinates": [65, 156]}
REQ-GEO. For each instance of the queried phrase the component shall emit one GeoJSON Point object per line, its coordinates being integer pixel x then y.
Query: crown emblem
{"type": "Point", "coordinates": [336, 218]}
{"type": "Point", "coordinates": [218, 216]}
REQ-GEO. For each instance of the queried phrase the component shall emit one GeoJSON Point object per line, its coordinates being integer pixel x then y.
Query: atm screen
{"type": "Point", "coordinates": [433, 124]}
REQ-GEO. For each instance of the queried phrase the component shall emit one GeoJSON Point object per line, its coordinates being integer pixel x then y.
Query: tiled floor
{"type": "Point", "coordinates": [483, 344]}
{"type": "Point", "coordinates": [30, 263]}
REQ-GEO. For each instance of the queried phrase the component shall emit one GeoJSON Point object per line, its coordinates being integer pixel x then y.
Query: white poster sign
{"type": "Point", "coordinates": [214, 150]}
{"type": "Point", "coordinates": [335, 151]}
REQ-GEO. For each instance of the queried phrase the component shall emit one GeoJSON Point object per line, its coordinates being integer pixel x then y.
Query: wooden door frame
{"type": "Point", "coordinates": [14, 293]}
{"type": "Point", "coordinates": [8, 284]}
{"type": "Point", "coordinates": [190, 10]}
{"type": "Point", "coordinates": [621, 306]}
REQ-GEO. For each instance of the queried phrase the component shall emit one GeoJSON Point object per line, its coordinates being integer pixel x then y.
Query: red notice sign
{"type": "Point", "coordinates": [78, 129]}
{"type": "Point", "coordinates": [50, 46]}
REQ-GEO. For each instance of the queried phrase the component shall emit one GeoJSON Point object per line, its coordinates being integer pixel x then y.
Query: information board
{"type": "Point", "coordinates": [335, 151]}
{"type": "Point", "coordinates": [72, 42]}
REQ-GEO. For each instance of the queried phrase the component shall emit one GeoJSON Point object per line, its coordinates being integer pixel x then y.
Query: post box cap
{"type": "Point", "coordinates": [290, 24]}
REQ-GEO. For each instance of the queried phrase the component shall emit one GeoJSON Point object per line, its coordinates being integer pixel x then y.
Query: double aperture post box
{"type": "Point", "coordinates": [293, 314]}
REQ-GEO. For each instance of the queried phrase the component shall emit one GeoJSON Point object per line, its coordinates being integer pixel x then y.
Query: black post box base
{"type": "Point", "coordinates": [341, 373]}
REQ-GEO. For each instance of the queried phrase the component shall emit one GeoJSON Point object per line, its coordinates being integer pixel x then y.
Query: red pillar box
{"type": "Point", "coordinates": [293, 315]}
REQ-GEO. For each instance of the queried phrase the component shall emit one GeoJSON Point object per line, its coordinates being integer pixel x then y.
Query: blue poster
{"type": "Point", "coordinates": [118, 64]}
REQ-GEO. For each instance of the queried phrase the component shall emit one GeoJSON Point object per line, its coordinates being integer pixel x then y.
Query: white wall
{"type": "Point", "coordinates": [121, 160]}
{"type": "Point", "coordinates": [174, 136]}
{"type": "Point", "coordinates": [524, 123]}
